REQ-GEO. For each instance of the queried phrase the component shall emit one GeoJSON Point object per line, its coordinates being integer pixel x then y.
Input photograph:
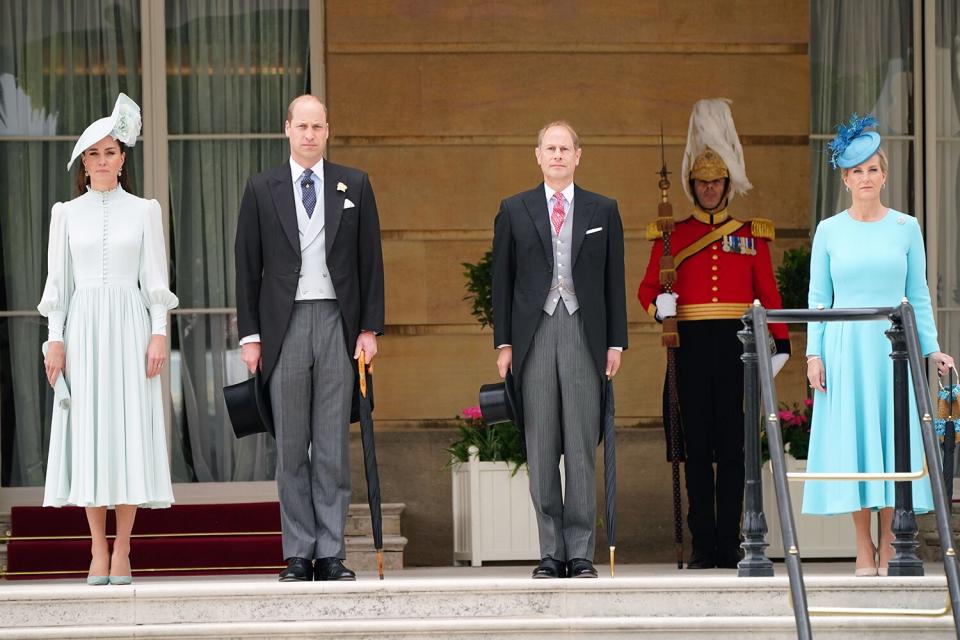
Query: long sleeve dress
{"type": "Point", "coordinates": [863, 264]}
{"type": "Point", "coordinates": [106, 293]}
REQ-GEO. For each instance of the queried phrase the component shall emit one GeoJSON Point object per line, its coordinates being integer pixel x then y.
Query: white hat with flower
{"type": "Point", "coordinates": [123, 125]}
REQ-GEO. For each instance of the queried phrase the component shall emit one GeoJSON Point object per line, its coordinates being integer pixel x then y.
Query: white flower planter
{"type": "Point", "coordinates": [817, 536]}
{"type": "Point", "coordinates": [493, 517]}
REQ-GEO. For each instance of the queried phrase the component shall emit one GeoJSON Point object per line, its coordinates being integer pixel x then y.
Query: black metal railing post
{"type": "Point", "coordinates": [905, 562]}
{"type": "Point", "coordinates": [755, 562]}
{"type": "Point", "coordinates": [931, 450]}
{"type": "Point", "coordinates": [791, 551]}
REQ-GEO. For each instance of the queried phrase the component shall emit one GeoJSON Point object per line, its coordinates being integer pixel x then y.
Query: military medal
{"type": "Point", "coordinates": [741, 245]}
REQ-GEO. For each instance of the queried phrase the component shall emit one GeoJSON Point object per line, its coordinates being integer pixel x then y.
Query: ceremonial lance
{"type": "Point", "coordinates": [671, 340]}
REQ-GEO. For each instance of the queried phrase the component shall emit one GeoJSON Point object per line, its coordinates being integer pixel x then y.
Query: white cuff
{"type": "Point", "coordinates": [253, 337]}
{"type": "Point", "coordinates": [158, 319]}
{"type": "Point", "coordinates": [55, 322]}
{"type": "Point", "coordinates": [616, 348]}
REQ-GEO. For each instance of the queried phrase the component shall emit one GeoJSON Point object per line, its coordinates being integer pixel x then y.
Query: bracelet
{"type": "Point", "coordinates": [811, 358]}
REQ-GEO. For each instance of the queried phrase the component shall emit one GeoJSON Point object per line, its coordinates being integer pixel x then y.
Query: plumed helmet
{"type": "Point", "coordinates": [713, 148]}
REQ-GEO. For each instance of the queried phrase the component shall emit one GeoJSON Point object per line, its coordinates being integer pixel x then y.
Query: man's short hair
{"type": "Point", "coordinates": [304, 97]}
{"type": "Point", "coordinates": [559, 123]}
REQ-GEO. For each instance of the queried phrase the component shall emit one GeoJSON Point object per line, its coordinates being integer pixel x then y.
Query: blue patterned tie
{"type": "Point", "coordinates": [308, 192]}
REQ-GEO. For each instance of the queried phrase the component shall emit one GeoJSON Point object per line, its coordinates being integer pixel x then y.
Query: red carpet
{"type": "Point", "coordinates": [209, 539]}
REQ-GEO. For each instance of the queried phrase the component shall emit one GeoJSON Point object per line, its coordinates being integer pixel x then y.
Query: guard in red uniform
{"type": "Point", "coordinates": [723, 265]}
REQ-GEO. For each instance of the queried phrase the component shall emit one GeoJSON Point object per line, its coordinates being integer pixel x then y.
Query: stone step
{"type": "Point", "coordinates": [464, 607]}
{"type": "Point", "coordinates": [358, 519]}
{"type": "Point", "coordinates": [598, 628]}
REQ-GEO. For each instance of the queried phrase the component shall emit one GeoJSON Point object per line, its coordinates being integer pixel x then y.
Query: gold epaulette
{"type": "Point", "coordinates": [763, 228]}
{"type": "Point", "coordinates": [653, 231]}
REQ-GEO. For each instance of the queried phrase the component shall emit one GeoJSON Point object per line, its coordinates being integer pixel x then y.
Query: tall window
{"type": "Point", "coordinates": [946, 170]}
{"type": "Point", "coordinates": [62, 64]}
{"type": "Point", "coordinates": [861, 60]}
{"type": "Point", "coordinates": [864, 58]}
{"type": "Point", "coordinates": [232, 68]}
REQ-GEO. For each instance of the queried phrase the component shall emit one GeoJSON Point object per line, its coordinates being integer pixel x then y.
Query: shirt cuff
{"type": "Point", "coordinates": [55, 322]}
{"type": "Point", "coordinates": [616, 348]}
{"type": "Point", "coordinates": [158, 319]}
{"type": "Point", "coordinates": [253, 337]}
{"type": "Point", "coordinates": [501, 346]}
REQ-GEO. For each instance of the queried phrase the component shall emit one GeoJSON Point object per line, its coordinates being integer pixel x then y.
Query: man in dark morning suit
{"type": "Point", "coordinates": [310, 299]}
{"type": "Point", "coordinates": [560, 324]}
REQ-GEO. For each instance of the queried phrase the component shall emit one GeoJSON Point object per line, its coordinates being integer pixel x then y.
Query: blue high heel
{"type": "Point", "coordinates": [121, 580]}
{"type": "Point", "coordinates": [97, 581]}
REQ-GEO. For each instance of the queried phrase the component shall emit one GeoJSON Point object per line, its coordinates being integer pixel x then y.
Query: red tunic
{"type": "Point", "coordinates": [721, 269]}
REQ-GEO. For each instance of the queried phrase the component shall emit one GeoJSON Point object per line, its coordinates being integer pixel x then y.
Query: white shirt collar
{"type": "Point", "coordinates": [296, 170]}
{"type": "Point", "coordinates": [567, 192]}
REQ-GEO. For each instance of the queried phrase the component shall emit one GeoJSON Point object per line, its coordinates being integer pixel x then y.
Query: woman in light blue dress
{"type": "Point", "coordinates": [106, 300]}
{"type": "Point", "coordinates": [867, 256]}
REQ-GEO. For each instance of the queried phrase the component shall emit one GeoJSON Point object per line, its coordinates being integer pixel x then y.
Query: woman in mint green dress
{"type": "Point", "coordinates": [106, 300]}
{"type": "Point", "coordinates": [867, 256]}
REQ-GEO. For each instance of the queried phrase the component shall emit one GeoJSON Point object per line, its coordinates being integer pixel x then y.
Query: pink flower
{"type": "Point", "coordinates": [472, 413]}
{"type": "Point", "coordinates": [785, 415]}
{"type": "Point", "coordinates": [808, 403]}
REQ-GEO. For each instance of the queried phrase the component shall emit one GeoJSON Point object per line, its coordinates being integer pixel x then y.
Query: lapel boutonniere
{"type": "Point", "coordinates": [342, 188]}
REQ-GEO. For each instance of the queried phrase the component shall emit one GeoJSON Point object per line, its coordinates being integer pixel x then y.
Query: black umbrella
{"type": "Point", "coordinates": [370, 463]}
{"type": "Point", "coordinates": [610, 472]}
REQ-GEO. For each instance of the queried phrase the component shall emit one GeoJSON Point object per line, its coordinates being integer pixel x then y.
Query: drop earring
{"type": "Point", "coordinates": [119, 172]}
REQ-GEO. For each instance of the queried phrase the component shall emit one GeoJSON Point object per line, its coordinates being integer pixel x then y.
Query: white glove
{"type": "Point", "coordinates": [666, 305]}
{"type": "Point", "coordinates": [777, 361]}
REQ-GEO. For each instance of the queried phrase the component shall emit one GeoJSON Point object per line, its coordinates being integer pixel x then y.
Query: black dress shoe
{"type": "Point", "coordinates": [331, 569]}
{"type": "Point", "coordinates": [550, 568]}
{"type": "Point", "coordinates": [298, 570]}
{"type": "Point", "coordinates": [729, 559]}
{"type": "Point", "coordinates": [581, 568]}
{"type": "Point", "coordinates": [702, 561]}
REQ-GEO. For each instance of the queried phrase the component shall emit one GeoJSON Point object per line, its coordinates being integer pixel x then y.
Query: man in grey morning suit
{"type": "Point", "coordinates": [310, 298]}
{"type": "Point", "coordinates": [560, 324]}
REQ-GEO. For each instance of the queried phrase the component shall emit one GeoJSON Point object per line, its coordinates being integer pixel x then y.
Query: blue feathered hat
{"type": "Point", "coordinates": [853, 145]}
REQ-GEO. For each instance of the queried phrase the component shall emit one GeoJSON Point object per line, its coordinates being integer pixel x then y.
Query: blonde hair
{"type": "Point", "coordinates": [559, 123]}
{"type": "Point", "coordinates": [881, 158]}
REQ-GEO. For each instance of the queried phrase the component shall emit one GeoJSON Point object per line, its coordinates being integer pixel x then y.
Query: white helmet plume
{"type": "Point", "coordinates": [711, 125]}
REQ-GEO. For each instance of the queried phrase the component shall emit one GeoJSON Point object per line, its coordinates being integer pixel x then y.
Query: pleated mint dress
{"type": "Point", "coordinates": [107, 291]}
{"type": "Point", "coordinates": [863, 264]}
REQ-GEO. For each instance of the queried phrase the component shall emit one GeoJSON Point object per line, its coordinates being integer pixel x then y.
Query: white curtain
{"type": "Point", "coordinates": [946, 93]}
{"type": "Point", "coordinates": [235, 67]}
{"type": "Point", "coordinates": [861, 59]}
{"type": "Point", "coordinates": [62, 64]}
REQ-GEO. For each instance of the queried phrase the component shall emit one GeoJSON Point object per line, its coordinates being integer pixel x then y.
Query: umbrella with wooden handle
{"type": "Point", "coordinates": [370, 462]}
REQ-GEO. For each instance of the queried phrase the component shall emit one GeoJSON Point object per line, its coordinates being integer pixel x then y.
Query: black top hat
{"type": "Point", "coordinates": [249, 407]}
{"type": "Point", "coordinates": [498, 402]}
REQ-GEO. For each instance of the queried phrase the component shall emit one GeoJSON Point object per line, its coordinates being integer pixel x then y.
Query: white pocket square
{"type": "Point", "coordinates": [347, 204]}
{"type": "Point", "coordinates": [594, 230]}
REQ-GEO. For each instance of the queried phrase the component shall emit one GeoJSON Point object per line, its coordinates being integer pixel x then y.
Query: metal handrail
{"type": "Point", "coordinates": [906, 341]}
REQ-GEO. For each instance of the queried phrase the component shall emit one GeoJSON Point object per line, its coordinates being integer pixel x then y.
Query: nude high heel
{"type": "Point", "coordinates": [867, 572]}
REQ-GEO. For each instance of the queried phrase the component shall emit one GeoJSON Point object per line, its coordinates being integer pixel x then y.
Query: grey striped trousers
{"type": "Point", "coordinates": [310, 391]}
{"type": "Point", "coordinates": [561, 412]}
